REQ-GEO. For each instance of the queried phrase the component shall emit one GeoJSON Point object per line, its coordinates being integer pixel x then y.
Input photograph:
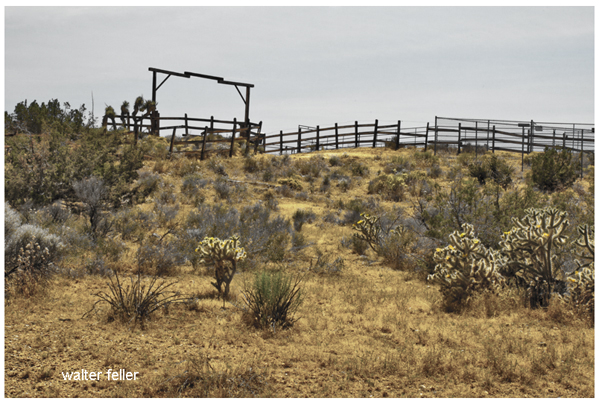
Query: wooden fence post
{"type": "Point", "coordinates": [356, 132]}
{"type": "Point", "coordinates": [299, 140]}
{"type": "Point", "coordinates": [493, 139]}
{"type": "Point", "coordinates": [523, 136]}
{"type": "Point", "coordinates": [553, 137]}
{"type": "Point", "coordinates": [204, 143]}
{"type": "Point", "coordinates": [281, 143]}
{"type": "Point", "coordinates": [565, 137]}
{"type": "Point", "coordinates": [317, 137]}
{"type": "Point", "coordinates": [436, 135]}
{"type": "Point", "coordinates": [186, 127]}
{"type": "Point", "coordinates": [459, 137]}
{"type": "Point", "coordinates": [336, 136]}
{"type": "Point", "coordinates": [135, 131]}
{"type": "Point", "coordinates": [170, 150]}
{"type": "Point", "coordinates": [376, 127]}
{"type": "Point", "coordinates": [397, 138]}
{"type": "Point", "coordinates": [258, 139]}
{"type": "Point", "coordinates": [476, 139]}
{"type": "Point", "coordinates": [233, 137]}
{"type": "Point", "coordinates": [581, 150]}
{"type": "Point", "coordinates": [425, 138]}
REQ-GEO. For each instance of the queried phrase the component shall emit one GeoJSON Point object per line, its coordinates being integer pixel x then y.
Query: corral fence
{"type": "Point", "coordinates": [197, 136]}
{"type": "Point", "coordinates": [455, 134]}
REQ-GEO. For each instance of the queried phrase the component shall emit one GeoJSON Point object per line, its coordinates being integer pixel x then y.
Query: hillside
{"type": "Point", "coordinates": [370, 324]}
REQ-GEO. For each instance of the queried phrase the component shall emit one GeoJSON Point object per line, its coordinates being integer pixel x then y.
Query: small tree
{"type": "Point", "coordinates": [92, 192]}
{"type": "Point", "coordinates": [224, 255]}
{"type": "Point", "coordinates": [553, 168]}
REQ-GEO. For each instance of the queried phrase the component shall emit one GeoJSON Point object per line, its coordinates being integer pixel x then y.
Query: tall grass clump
{"type": "Point", "coordinates": [273, 299]}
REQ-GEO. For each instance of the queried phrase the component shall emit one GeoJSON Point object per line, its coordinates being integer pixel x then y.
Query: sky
{"type": "Point", "coordinates": [310, 65]}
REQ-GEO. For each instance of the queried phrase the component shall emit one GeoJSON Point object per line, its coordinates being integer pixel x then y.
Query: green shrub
{"type": "Point", "coordinates": [552, 169]}
{"type": "Point", "coordinates": [491, 167]}
{"type": "Point", "coordinates": [273, 299]}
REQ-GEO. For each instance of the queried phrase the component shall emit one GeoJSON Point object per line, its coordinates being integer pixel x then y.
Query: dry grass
{"type": "Point", "coordinates": [367, 331]}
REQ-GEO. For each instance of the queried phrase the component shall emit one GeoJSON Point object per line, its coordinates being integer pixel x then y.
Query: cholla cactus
{"type": "Point", "coordinates": [582, 281]}
{"type": "Point", "coordinates": [220, 252]}
{"type": "Point", "coordinates": [370, 230]}
{"type": "Point", "coordinates": [530, 247]}
{"type": "Point", "coordinates": [465, 266]}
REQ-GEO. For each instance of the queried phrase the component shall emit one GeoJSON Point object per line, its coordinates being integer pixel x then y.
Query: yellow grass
{"type": "Point", "coordinates": [368, 332]}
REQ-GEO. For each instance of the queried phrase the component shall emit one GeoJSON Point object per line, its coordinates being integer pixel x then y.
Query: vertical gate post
{"type": "Point", "coordinates": [317, 137]}
{"type": "Point", "coordinates": [299, 140]}
{"type": "Point", "coordinates": [170, 150]}
{"type": "Point", "coordinates": [553, 137]}
{"type": "Point", "coordinates": [564, 141]}
{"type": "Point", "coordinates": [523, 141]}
{"type": "Point", "coordinates": [459, 137]}
{"type": "Point", "coordinates": [336, 136]}
{"type": "Point", "coordinates": [397, 139]}
{"type": "Point", "coordinates": [425, 138]}
{"type": "Point", "coordinates": [436, 135]}
{"type": "Point", "coordinates": [581, 150]}
{"type": "Point", "coordinates": [233, 137]}
{"type": "Point", "coordinates": [376, 128]}
{"type": "Point", "coordinates": [204, 143]}
{"type": "Point", "coordinates": [356, 132]}
{"type": "Point", "coordinates": [493, 139]}
{"type": "Point", "coordinates": [281, 143]}
{"type": "Point", "coordinates": [258, 138]}
{"type": "Point", "coordinates": [186, 127]}
{"type": "Point", "coordinates": [476, 139]}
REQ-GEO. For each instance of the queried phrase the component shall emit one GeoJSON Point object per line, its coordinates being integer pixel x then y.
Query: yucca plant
{"type": "Point", "coordinates": [136, 301]}
{"type": "Point", "coordinates": [273, 299]}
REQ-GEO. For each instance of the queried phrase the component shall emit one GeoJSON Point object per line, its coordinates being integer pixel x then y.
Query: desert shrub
{"type": "Point", "coordinates": [251, 164]}
{"type": "Point", "coordinates": [531, 248]}
{"type": "Point", "coordinates": [425, 159]}
{"type": "Point", "coordinates": [326, 184]}
{"type": "Point", "coordinates": [285, 191]}
{"type": "Point", "coordinates": [302, 196]}
{"type": "Point", "coordinates": [182, 166]}
{"type": "Point", "coordinates": [146, 184]}
{"type": "Point", "coordinates": [331, 217]}
{"type": "Point", "coordinates": [97, 266]}
{"type": "Point", "coordinates": [397, 164]}
{"type": "Point", "coordinates": [580, 296]}
{"type": "Point", "coordinates": [223, 189]}
{"type": "Point", "coordinates": [323, 264]}
{"type": "Point", "coordinates": [358, 245]}
{"type": "Point", "coordinates": [92, 192]}
{"type": "Point", "coordinates": [216, 165]}
{"type": "Point", "coordinates": [262, 232]}
{"type": "Point", "coordinates": [159, 257]}
{"type": "Point", "coordinates": [398, 249]}
{"type": "Point", "coordinates": [166, 214]}
{"type": "Point", "coordinates": [355, 207]}
{"type": "Point", "coordinates": [435, 171]}
{"type": "Point", "coordinates": [552, 169]}
{"type": "Point", "coordinates": [191, 187]}
{"type": "Point", "coordinates": [292, 183]}
{"type": "Point", "coordinates": [166, 196]}
{"type": "Point", "coordinates": [136, 301]}
{"type": "Point", "coordinates": [358, 169]}
{"type": "Point", "coordinates": [276, 246]}
{"type": "Point", "coordinates": [273, 299]}
{"type": "Point", "coordinates": [302, 216]}
{"type": "Point", "coordinates": [465, 267]}
{"type": "Point", "coordinates": [56, 213]}
{"type": "Point", "coordinates": [335, 161]}
{"type": "Point", "coordinates": [298, 240]}
{"type": "Point", "coordinates": [223, 255]}
{"type": "Point", "coordinates": [389, 186]}
{"type": "Point", "coordinates": [491, 167]}
{"type": "Point", "coordinates": [133, 223]}
{"type": "Point", "coordinates": [29, 248]}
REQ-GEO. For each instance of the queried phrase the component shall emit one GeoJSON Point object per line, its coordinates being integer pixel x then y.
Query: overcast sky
{"type": "Point", "coordinates": [311, 66]}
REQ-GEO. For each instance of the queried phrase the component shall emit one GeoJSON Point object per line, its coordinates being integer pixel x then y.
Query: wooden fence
{"type": "Point", "coordinates": [356, 135]}
{"type": "Point", "coordinates": [212, 136]}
